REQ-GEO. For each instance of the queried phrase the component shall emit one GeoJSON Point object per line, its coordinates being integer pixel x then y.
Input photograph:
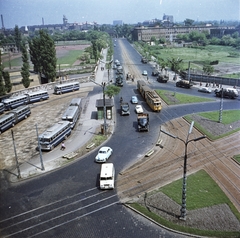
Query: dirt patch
{"type": "Point", "coordinates": [218, 217]}
{"type": "Point", "coordinates": [215, 128]}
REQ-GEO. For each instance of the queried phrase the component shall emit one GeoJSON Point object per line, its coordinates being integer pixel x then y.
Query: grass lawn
{"type": "Point", "coordinates": [228, 117]}
{"type": "Point", "coordinates": [70, 58]}
{"type": "Point", "coordinates": [237, 158]}
{"type": "Point", "coordinates": [172, 98]}
{"type": "Point", "coordinates": [202, 191]}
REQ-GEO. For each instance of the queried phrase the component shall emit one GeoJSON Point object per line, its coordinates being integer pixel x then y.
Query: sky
{"type": "Point", "coordinates": [31, 12]}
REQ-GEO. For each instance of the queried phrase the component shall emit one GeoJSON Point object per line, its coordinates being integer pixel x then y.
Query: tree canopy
{"type": "Point", "coordinates": [43, 55]}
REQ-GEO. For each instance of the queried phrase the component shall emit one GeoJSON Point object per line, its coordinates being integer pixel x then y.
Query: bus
{"type": "Point", "coordinates": [76, 102]}
{"type": "Point", "coordinates": [66, 87]}
{"type": "Point", "coordinates": [6, 121]}
{"type": "Point", "coordinates": [11, 118]}
{"type": "Point", "coordinates": [37, 96]}
{"type": "Point", "coordinates": [2, 108]}
{"type": "Point", "coordinates": [13, 102]}
{"type": "Point", "coordinates": [54, 135]}
{"type": "Point", "coordinates": [21, 113]}
{"type": "Point", "coordinates": [71, 114]}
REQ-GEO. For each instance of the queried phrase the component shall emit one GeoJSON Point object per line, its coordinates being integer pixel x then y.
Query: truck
{"type": "Point", "coordinates": [125, 110]}
{"type": "Point", "coordinates": [162, 78]}
{"type": "Point", "coordinates": [143, 121]}
{"type": "Point", "coordinates": [184, 84]}
{"type": "Point", "coordinates": [144, 60]}
{"type": "Point", "coordinates": [226, 93]}
{"type": "Point", "coordinates": [119, 80]}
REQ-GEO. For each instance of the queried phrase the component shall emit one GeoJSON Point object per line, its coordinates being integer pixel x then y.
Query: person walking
{"type": "Point", "coordinates": [63, 146]}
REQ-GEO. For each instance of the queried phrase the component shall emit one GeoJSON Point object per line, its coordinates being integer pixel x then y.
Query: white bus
{"type": "Point", "coordinates": [107, 176]}
{"type": "Point", "coordinates": [37, 96]}
{"type": "Point", "coordinates": [13, 102]}
{"type": "Point", "coordinates": [21, 113]}
{"type": "Point", "coordinates": [11, 118]}
{"type": "Point", "coordinates": [71, 114]}
{"type": "Point", "coordinates": [2, 108]}
{"type": "Point", "coordinates": [55, 135]}
{"type": "Point", "coordinates": [66, 87]}
{"type": "Point", "coordinates": [76, 102]}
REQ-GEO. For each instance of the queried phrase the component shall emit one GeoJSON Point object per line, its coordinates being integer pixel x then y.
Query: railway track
{"type": "Point", "coordinates": [166, 165]}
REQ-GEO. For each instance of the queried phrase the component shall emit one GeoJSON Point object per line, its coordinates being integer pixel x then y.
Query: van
{"type": "Point", "coordinates": [107, 176]}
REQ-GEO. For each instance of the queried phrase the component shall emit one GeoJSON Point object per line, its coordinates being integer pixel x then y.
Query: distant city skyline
{"type": "Point", "coordinates": [31, 12]}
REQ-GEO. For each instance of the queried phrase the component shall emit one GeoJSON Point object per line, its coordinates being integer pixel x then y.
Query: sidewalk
{"type": "Point", "coordinates": [80, 137]}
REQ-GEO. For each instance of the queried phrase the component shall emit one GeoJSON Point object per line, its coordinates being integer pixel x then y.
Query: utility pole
{"type": "Point", "coordinates": [40, 150]}
{"type": "Point", "coordinates": [17, 164]}
{"type": "Point", "coordinates": [184, 186]}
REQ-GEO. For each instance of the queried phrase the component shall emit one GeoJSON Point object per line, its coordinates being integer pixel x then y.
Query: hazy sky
{"type": "Point", "coordinates": [31, 12]}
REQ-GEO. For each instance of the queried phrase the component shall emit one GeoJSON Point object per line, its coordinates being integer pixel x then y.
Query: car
{"type": "Point", "coordinates": [145, 73]}
{"type": "Point", "coordinates": [134, 100]}
{"type": "Point", "coordinates": [138, 109]}
{"type": "Point", "coordinates": [205, 90]}
{"type": "Point", "coordinates": [104, 154]}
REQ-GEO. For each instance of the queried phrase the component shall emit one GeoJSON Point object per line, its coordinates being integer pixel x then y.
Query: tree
{"type": "Point", "coordinates": [208, 69]}
{"type": "Point", "coordinates": [25, 67]}
{"type": "Point", "coordinates": [2, 86]}
{"type": "Point", "coordinates": [7, 81]}
{"type": "Point", "coordinates": [188, 22]}
{"type": "Point", "coordinates": [17, 37]}
{"type": "Point", "coordinates": [112, 90]}
{"type": "Point", "coordinates": [43, 55]}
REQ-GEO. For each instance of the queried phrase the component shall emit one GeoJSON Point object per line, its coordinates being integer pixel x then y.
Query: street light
{"type": "Point", "coordinates": [184, 190]}
{"type": "Point", "coordinates": [103, 85]}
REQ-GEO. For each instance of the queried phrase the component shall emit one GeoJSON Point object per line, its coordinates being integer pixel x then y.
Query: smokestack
{"type": "Point", "coordinates": [2, 22]}
{"type": "Point", "coordinates": [43, 21]}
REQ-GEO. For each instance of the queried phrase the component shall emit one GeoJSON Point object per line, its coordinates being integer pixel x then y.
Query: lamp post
{"type": "Point", "coordinates": [184, 190]}
{"type": "Point", "coordinates": [103, 85]}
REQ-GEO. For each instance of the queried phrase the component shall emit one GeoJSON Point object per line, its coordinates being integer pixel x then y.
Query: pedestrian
{"type": "Point", "coordinates": [63, 146]}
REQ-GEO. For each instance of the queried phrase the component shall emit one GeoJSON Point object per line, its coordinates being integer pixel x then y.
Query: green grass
{"type": "Point", "coordinates": [237, 158]}
{"type": "Point", "coordinates": [70, 58]}
{"type": "Point", "coordinates": [202, 192]}
{"type": "Point", "coordinates": [228, 117]}
{"type": "Point", "coordinates": [172, 98]}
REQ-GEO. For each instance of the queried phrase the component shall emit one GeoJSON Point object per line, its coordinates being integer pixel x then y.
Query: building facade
{"type": "Point", "coordinates": [170, 33]}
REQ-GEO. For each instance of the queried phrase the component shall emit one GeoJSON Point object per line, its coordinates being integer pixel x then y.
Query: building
{"type": "Point", "coordinates": [170, 33]}
{"type": "Point", "coordinates": [117, 22]}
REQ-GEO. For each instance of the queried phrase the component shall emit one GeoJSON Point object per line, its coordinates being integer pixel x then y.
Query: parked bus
{"type": "Point", "coordinates": [76, 102]}
{"type": "Point", "coordinates": [66, 87]}
{"type": "Point", "coordinates": [37, 96]}
{"type": "Point", "coordinates": [6, 121]}
{"type": "Point", "coordinates": [55, 135]}
{"type": "Point", "coordinates": [2, 108]}
{"type": "Point", "coordinates": [21, 113]}
{"type": "Point", "coordinates": [11, 118]}
{"type": "Point", "coordinates": [13, 102]}
{"type": "Point", "coordinates": [71, 114]}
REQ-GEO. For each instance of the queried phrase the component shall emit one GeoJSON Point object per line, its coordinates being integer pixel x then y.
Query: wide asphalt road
{"type": "Point", "coordinates": [68, 203]}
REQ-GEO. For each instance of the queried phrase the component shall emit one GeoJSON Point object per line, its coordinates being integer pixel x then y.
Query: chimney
{"type": "Point", "coordinates": [2, 22]}
{"type": "Point", "coordinates": [42, 21]}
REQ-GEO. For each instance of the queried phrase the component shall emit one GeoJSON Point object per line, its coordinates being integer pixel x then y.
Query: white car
{"type": "Point", "coordinates": [139, 109]}
{"type": "Point", "coordinates": [103, 154]}
{"type": "Point", "coordinates": [145, 73]}
{"type": "Point", "coordinates": [134, 100]}
{"type": "Point", "coordinates": [205, 90]}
